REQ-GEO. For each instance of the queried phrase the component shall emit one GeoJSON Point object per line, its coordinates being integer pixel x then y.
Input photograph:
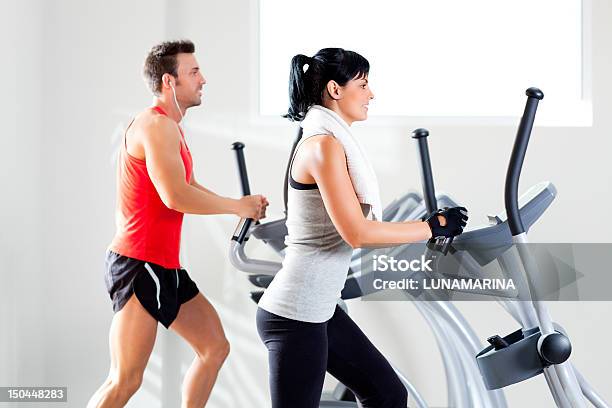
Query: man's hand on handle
{"type": "Point", "coordinates": [253, 206]}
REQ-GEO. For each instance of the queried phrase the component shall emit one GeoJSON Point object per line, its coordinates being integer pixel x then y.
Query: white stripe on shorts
{"type": "Point", "coordinates": [150, 270]}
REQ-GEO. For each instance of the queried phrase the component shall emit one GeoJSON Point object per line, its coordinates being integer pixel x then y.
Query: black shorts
{"type": "Point", "coordinates": [161, 291]}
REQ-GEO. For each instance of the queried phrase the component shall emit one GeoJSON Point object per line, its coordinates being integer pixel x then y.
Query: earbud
{"type": "Point", "coordinates": [166, 80]}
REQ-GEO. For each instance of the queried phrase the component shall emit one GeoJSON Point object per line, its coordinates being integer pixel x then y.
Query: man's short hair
{"type": "Point", "coordinates": [162, 60]}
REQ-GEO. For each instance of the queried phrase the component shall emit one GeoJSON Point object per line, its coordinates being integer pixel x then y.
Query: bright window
{"type": "Point", "coordinates": [444, 58]}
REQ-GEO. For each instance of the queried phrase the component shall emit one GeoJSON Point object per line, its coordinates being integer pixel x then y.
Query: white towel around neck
{"type": "Point", "coordinates": [320, 121]}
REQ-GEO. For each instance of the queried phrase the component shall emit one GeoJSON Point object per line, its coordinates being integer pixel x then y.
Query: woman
{"type": "Point", "coordinates": [332, 192]}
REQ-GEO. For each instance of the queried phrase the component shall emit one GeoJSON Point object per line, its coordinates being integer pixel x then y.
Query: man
{"type": "Point", "coordinates": [155, 186]}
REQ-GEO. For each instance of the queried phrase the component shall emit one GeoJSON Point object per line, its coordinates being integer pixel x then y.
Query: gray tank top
{"type": "Point", "coordinates": [317, 259]}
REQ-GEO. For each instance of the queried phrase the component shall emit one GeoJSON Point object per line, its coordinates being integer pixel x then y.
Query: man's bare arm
{"type": "Point", "coordinates": [200, 187]}
{"type": "Point", "coordinates": [162, 151]}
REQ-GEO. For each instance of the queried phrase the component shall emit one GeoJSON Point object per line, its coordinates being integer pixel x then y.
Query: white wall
{"type": "Point", "coordinates": [92, 55]}
{"type": "Point", "coordinates": [20, 240]}
{"type": "Point", "coordinates": [77, 77]}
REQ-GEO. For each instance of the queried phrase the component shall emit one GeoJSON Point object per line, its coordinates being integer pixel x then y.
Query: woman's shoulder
{"type": "Point", "coordinates": [325, 144]}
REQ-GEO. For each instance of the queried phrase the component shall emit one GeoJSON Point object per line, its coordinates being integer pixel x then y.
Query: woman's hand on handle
{"type": "Point", "coordinates": [448, 222]}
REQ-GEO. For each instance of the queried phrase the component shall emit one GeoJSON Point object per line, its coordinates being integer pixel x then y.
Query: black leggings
{"type": "Point", "coordinates": [299, 353]}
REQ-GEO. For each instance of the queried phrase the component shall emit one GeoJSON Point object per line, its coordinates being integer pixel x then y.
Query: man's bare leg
{"type": "Point", "coordinates": [131, 338]}
{"type": "Point", "coordinates": [199, 324]}
{"type": "Point", "coordinates": [94, 399]}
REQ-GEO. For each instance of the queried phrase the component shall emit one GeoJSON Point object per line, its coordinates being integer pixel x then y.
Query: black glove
{"type": "Point", "coordinates": [456, 219]}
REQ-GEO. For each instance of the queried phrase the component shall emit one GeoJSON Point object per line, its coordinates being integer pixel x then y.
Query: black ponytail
{"type": "Point", "coordinates": [309, 77]}
{"type": "Point", "coordinates": [299, 99]}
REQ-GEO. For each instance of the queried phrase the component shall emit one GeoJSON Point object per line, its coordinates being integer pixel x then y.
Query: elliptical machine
{"type": "Point", "coordinates": [541, 345]}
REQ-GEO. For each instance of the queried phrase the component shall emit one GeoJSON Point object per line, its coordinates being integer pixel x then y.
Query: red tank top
{"type": "Point", "coordinates": [146, 229]}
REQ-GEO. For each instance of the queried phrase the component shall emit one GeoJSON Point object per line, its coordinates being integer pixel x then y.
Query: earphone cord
{"type": "Point", "coordinates": [176, 102]}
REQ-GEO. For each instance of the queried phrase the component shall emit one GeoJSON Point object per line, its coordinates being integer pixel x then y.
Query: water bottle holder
{"type": "Point", "coordinates": [515, 363]}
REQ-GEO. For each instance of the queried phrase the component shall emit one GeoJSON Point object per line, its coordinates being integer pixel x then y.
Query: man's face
{"type": "Point", "coordinates": [190, 81]}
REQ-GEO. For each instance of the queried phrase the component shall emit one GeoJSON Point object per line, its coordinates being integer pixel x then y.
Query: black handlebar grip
{"type": "Point", "coordinates": [429, 191]}
{"type": "Point", "coordinates": [238, 147]}
{"type": "Point", "coordinates": [534, 95]}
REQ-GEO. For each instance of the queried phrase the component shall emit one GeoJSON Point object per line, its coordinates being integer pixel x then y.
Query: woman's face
{"type": "Point", "coordinates": [353, 99]}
